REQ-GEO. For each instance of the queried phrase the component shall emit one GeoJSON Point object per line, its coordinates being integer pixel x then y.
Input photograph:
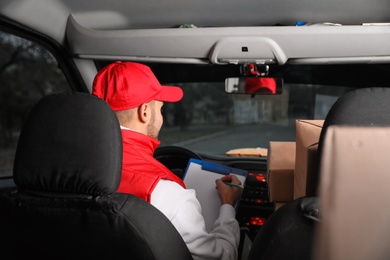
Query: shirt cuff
{"type": "Point", "coordinates": [227, 211]}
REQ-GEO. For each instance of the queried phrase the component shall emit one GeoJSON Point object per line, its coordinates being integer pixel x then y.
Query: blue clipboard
{"type": "Point", "coordinates": [200, 176]}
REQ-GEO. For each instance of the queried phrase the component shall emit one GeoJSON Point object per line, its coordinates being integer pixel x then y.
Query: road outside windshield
{"type": "Point", "coordinates": [208, 120]}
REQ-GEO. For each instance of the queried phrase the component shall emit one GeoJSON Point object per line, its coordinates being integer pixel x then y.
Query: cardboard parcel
{"type": "Point", "coordinates": [307, 137]}
{"type": "Point", "coordinates": [281, 164]}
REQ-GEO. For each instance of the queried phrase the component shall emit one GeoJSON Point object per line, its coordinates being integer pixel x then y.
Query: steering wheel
{"type": "Point", "coordinates": [175, 158]}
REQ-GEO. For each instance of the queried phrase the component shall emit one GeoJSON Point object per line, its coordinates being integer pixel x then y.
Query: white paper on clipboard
{"type": "Point", "coordinates": [200, 176]}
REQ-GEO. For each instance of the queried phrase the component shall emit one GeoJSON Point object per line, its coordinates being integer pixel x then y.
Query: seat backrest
{"type": "Point", "coordinates": [354, 194]}
{"type": "Point", "coordinates": [67, 169]}
{"type": "Point", "coordinates": [288, 233]}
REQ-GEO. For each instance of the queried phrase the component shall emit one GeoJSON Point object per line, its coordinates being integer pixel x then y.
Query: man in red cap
{"type": "Point", "coordinates": [136, 96]}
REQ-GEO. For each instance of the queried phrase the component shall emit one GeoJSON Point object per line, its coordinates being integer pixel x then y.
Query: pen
{"type": "Point", "coordinates": [234, 185]}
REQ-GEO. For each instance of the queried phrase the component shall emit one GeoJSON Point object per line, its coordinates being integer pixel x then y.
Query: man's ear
{"type": "Point", "coordinates": [144, 113]}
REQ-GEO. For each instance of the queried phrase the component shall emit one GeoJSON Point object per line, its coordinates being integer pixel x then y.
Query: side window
{"type": "Point", "coordinates": [28, 72]}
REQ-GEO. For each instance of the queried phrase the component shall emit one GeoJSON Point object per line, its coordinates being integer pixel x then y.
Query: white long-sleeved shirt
{"type": "Point", "coordinates": [184, 210]}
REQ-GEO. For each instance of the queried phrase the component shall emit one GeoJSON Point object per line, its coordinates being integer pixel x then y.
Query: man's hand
{"type": "Point", "coordinates": [228, 194]}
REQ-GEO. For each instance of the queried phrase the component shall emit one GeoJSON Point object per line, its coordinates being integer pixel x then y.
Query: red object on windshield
{"type": "Point", "coordinates": [260, 85]}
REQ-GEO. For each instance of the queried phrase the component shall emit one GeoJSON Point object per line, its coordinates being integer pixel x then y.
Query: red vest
{"type": "Point", "coordinates": [141, 171]}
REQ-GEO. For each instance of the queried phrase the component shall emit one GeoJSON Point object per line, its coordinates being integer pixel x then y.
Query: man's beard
{"type": "Point", "coordinates": [152, 131]}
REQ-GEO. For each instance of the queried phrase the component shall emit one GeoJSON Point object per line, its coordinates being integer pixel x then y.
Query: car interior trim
{"type": "Point", "coordinates": [331, 42]}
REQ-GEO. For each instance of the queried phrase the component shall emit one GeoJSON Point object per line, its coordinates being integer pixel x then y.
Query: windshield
{"type": "Point", "coordinates": [210, 121]}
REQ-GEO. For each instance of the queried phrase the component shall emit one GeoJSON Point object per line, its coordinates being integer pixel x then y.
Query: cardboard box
{"type": "Point", "coordinates": [354, 187]}
{"type": "Point", "coordinates": [306, 162]}
{"type": "Point", "coordinates": [281, 165]}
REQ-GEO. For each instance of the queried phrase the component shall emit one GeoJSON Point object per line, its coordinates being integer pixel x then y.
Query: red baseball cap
{"type": "Point", "coordinates": [125, 85]}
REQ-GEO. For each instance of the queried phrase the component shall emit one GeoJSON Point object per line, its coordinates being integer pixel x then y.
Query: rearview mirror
{"type": "Point", "coordinates": [254, 85]}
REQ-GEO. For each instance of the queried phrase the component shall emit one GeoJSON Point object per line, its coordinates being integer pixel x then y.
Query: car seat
{"type": "Point", "coordinates": [67, 169]}
{"type": "Point", "coordinates": [288, 234]}
{"type": "Point", "coordinates": [354, 194]}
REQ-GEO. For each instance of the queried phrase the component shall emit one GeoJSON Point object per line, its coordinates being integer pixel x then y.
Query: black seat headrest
{"type": "Point", "coordinates": [361, 107]}
{"type": "Point", "coordinates": [70, 143]}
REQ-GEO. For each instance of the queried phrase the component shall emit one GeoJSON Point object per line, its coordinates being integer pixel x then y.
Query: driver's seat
{"type": "Point", "coordinates": [67, 169]}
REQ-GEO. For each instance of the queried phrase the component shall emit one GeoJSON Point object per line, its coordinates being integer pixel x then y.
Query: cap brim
{"type": "Point", "coordinates": [170, 94]}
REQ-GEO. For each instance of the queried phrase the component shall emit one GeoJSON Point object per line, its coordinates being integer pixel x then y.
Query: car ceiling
{"type": "Point", "coordinates": [126, 14]}
{"type": "Point", "coordinates": [50, 15]}
{"type": "Point", "coordinates": [137, 29]}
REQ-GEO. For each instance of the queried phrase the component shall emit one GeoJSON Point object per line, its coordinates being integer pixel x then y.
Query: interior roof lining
{"type": "Point", "coordinates": [331, 44]}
